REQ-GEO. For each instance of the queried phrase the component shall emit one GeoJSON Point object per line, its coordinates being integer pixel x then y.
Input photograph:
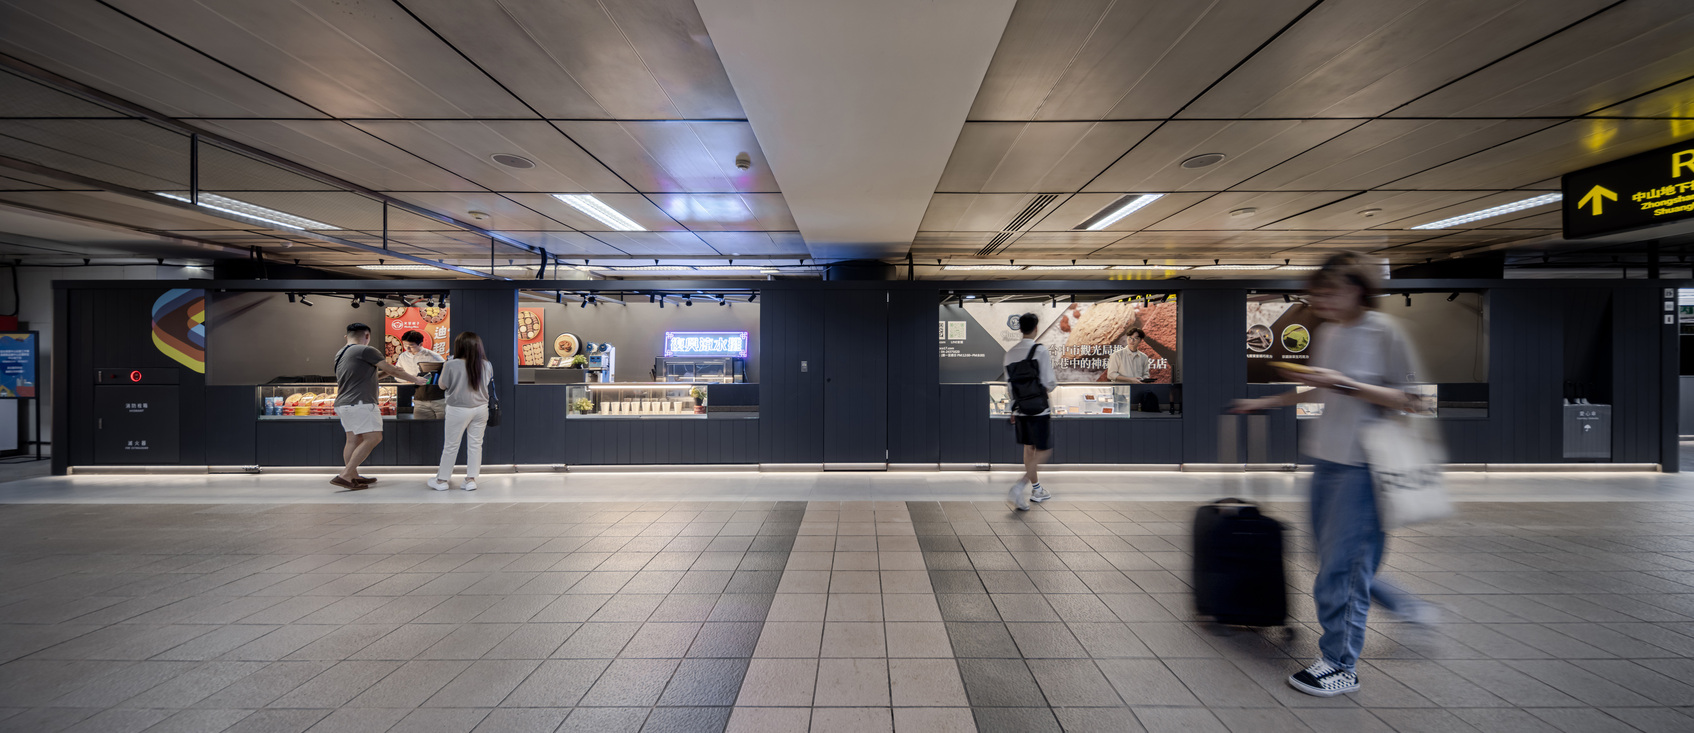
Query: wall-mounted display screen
{"type": "Point", "coordinates": [1132, 340]}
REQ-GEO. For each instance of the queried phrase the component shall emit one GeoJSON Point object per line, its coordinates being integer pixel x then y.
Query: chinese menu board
{"type": "Point", "coordinates": [1081, 338]}
{"type": "Point", "coordinates": [17, 365]}
{"type": "Point", "coordinates": [1278, 330]}
{"type": "Point", "coordinates": [531, 334]}
{"type": "Point", "coordinates": [433, 323]}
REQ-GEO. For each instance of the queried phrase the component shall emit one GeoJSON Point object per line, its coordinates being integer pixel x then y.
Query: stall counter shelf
{"type": "Point", "coordinates": [316, 400]}
{"type": "Point", "coordinates": [647, 401]}
{"type": "Point", "coordinates": [1092, 400]}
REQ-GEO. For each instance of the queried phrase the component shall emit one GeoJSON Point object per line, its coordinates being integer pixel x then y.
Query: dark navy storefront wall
{"type": "Point", "coordinates": [849, 375]}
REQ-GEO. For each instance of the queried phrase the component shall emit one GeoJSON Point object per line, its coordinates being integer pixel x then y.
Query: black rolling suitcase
{"type": "Point", "coordinates": [1238, 573]}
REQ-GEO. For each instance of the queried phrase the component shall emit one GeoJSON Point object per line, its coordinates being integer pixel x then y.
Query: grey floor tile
{"type": "Point", "coordinates": [442, 720]}
{"type": "Point", "coordinates": [1146, 682]}
{"type": "Point", "coordinates": [278, 721]}
{"type": "Point", "coordinates": [631, 682]}
{"type": "Point", "coordinates": [1015, 720]}
{"type": "Point", "coordinates": [726, 639]}
{"type": "Point", "coordinates": [981, 640]}
{"type": "Point", "coordinates": [484, 684]}
{"type": "Point", "coordinates": [1000, 683]}
{"type": "Point", "coordinates": [359, 720]}
{"type": "Point", "coordinates": [557, 683]}
{"type": "Point", "coordinates": [687, 720]}
{"type": "Point", "coordinates": [522, 720]}
{"type": "Point", "coordinates": [705, 683]}
{"type": "Point", "coordinates": [410, 685]}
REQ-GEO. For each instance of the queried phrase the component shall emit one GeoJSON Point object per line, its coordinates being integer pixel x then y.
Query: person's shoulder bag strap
{"type": "Point", "coordinates": [493, 403]}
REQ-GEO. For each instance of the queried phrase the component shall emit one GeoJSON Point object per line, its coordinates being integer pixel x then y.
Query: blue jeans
{"type": "Point", "coordinates": [1349, 543]}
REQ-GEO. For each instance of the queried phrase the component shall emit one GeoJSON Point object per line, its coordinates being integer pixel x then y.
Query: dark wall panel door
{"type": "Point", "coordinates": [855, 377]}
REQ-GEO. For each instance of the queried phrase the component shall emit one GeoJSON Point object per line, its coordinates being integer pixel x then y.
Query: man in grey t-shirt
{"type": "Point", "coordinates": [356, 367]}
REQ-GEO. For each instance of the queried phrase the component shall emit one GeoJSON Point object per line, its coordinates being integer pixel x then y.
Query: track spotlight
{"type": "Point", "coordinates": [688, 300]}
{"type": "Point", "coordinates": [559, 297]}
{"type": "Point", "coordinates": [303, 300]}
{"type": "Point", "coordinates": [583, 304]}
{"type": "Point", "coordinates": [1452, 297]}
{"type": "Point", "coordinates": [290, 297]}
{"type": "Point", "coordinates": [1408, 299]}
{"type": "Point", "coordinates": [355, 304]}
{"type": "Point", "coordinates": [752, 297]}
{"type": "Point", "coordinates": [1286, 298]}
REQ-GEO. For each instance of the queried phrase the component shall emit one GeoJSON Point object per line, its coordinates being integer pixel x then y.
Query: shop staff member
{"type": "Point", "coordinates": [1129, 364]}
{"type": "Point", "coordinates": [430, 402]}
{"type": "Point", "coordinates": [356, 367]}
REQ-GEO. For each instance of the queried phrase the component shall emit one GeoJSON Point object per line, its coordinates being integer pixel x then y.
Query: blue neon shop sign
{"type": "Point", "coordinates": [706, 343]}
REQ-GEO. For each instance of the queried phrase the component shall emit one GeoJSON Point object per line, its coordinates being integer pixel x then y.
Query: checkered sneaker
{"type": "Point", "coordinates": [1323, 679]}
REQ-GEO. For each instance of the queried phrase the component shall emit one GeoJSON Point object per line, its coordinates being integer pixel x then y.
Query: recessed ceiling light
{"type": "Point", "coordinates": [281, 219]}
{"type": "Point", "coordinates": [1118, 209]}
{"type": "Point", "coordinates": [600, 211]}
{"type": "Point", "coordinates": [983, 267]}
{"type": "Point", "coordinates": [1528, 203]}
{"type": "Point", "coordinates": [512, 161]}
{"type": "Point", "coordinates": [1244, 211]}
{"type": "Point", "coordinates": [1150, 267]}
{"type": "Point", "coordinates": [1201, 161]}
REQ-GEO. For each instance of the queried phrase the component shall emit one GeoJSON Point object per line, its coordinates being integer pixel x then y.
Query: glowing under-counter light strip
{"type": "Point", "coordinates": [251, 211]}
{"type": "Point", "coordinates": [600, 211]}
{"type": "Point", "coordinates": [1125, 207]}
{"type": "Point", "coordinates": [639, 385]}
{"type": "Point", "coordinates": [1528, 203]}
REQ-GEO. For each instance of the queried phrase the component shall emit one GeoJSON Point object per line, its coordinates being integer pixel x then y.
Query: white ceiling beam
{"type": "Point", "coordinates": [856, 104]}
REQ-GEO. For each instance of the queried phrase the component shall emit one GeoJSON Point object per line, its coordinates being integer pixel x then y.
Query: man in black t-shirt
{"type": "Point", "coordinates": [356, 367]}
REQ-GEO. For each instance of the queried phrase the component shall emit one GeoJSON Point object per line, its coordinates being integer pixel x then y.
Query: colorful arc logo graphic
{"type": "Point", "coordinates": [179, 327]}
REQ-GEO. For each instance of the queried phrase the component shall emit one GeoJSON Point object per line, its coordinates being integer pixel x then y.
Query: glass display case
{"type": "Point", "coordinates": [314, 400]}
{"type": "Point", "coordinates": [1094, 400]}
{"type": "Point", "coordinates": [638, 400]}
{"type": "Point", "coordinates": [701, 369]}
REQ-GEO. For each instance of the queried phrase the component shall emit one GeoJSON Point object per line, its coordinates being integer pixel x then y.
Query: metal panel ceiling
{"type": "Point", "coordinates": [1252, 147]}
{"type": "Point", "coordinates": [464, 146]}
{"type": "Point", "coordinates": [1045, 156]}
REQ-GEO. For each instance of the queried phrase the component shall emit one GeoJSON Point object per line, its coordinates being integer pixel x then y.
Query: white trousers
{"type": "Point", "coordinates": [462, 420]}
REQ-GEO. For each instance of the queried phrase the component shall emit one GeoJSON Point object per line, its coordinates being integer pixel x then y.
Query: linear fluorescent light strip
{"type": "Point", "coordinates": [1304, 268]}
{"type": "Point", "coordinates": [1237, 267]}
{"type": "Point", "coordinates": [1124, 209]}
{"type": "Point", "coordinates": [600, 211]}
{"type": "Point", "coordinates": [399, 268]}
{"type": "Point", "coordinates": [1528, 203]}
{"type": "Point", "coordinates": [242, 208]}
{"type": "Point", "coordinates": [978, 268]}
{"type": "Point", "coordinates": [743, 268]}
{"type": "Point", "coordinates": [672, 268]}
{"type": "Point", "coordinates": [1150, 267]}
{"type": "Point", "coordinates": [1067, 267]}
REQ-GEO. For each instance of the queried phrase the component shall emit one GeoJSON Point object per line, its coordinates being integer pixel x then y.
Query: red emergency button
{"type": "Point", "coordinates": [135, 376]}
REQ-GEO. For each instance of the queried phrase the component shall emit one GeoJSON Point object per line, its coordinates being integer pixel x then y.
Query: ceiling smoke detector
{"type": "Point", "coordinates": [1369, 213]}
{"type": "Point", "coordinates": [743, 161]}
{"type": "Point", "coordinates": [1245, 211]}
{"type": "Point", "coordinates": [512, 161]}
{"type": "Point", "coordinates": [477, 215]}
{"type": "Point", "coordinates": [1201, 161]}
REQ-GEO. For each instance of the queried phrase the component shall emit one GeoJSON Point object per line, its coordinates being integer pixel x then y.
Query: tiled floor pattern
{"type": "Point", "coordinates": [823, 616]}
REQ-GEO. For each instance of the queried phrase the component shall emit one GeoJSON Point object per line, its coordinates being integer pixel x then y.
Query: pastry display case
{"type": "Point", "coordinates": [1094, 400]}
{"type": "Point", "coordinates": [304, 400]}
{"type": "Point", "coordinates": [638, 401]}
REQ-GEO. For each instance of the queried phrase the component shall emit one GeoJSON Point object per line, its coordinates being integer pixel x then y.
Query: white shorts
{"type": "Point", "coordinates": [360, 419]}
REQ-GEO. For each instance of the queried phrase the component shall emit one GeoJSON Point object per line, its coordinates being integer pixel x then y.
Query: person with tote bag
{"type": "Point", "coordinates": [467, 379]}
{"type": "Point", "coordinates": [1361, 370]}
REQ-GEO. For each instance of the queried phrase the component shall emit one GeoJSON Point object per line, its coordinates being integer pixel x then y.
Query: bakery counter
{"type": "Point", "coordinates": [1131, 437]}
{"type": "Point", "coordinates": [1097, 400]}
{"type": "Point", "coordinates": [553, 426]}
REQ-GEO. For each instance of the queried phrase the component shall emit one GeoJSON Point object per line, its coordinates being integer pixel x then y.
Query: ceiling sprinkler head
{"type": "Point", "coordinates": [477, 215]}
{"type": "Point", "coordinates": [1245, 211]}
{"type": "Point", "coordinates": [1369, 213]}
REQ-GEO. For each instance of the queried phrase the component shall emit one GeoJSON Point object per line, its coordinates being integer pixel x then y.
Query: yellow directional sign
{"type": "Point", "coordinates": [1598, 195]}
{"type": "Point", "coordinates": [1652, 190]}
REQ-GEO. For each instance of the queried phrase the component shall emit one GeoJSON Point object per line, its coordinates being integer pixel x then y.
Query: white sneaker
{"type": "Point", "coordinates": [470, 484]}
{"type": "Point", "coordinates": [1015, 498]}
{"type": "Point", "coordinates": [439, 485]}
{"type": "Point", "coordinates": [1039, 494]}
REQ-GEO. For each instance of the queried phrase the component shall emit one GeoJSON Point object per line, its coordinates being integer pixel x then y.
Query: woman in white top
{"type": "Point", "coordinates": [466, 380]}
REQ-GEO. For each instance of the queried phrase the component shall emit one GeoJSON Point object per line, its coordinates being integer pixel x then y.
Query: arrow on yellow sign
{"type": "Point", "coordinates": [1598, 195]}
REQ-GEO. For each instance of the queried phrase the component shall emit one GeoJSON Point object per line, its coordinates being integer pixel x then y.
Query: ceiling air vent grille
{"type": "Point", "coordinates": [1034, 209]}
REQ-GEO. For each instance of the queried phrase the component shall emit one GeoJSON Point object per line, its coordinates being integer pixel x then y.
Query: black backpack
{"type": "Point", "coordinates": [1029, 395]}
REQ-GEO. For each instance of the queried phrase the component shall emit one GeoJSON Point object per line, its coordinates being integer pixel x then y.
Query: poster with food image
{"type": "Point", "coordinates": [1081, 338]}
{"type": "Point", "coordinates": [1278, 330]}
{"type": "Point", "coordinates": [433, 323]}
{"type": "Point", "coordinates": [531, 329]}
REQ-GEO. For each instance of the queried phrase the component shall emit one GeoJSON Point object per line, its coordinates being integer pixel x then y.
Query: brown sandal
{"type": "Point", "coordinates": [345, 484]}
{"type": "Point", "coordinates": [363, 480]}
